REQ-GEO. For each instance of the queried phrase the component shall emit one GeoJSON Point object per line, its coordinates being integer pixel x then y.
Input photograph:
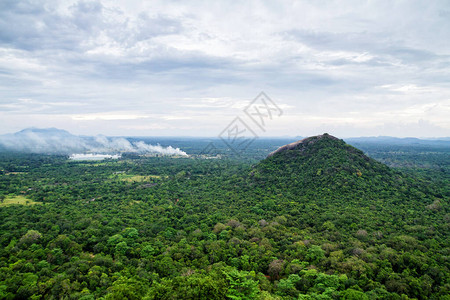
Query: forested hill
{"type": "Point", "coordinates": [323, 162]}
{"type": "Point", "coordinates": [324, 165]}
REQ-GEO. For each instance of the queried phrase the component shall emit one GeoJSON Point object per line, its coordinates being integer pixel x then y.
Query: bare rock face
{"type": "Point", "coordinates": [301, 144]}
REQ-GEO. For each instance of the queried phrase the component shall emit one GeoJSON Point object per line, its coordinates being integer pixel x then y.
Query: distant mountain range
{"type": "Point", "coordinates": [399, 141]}
{"type": "Point", "coordinates": [47, 140]}
{"type": "Point", "coordinates": [58, 141]}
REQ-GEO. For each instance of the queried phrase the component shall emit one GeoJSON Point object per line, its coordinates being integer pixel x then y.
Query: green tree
{"type": "Point", "coordinates": [315, 254]}
{"type": "Point", "coordinates": [126, 288]}
{"type": "Point", "coordinates": [351, 294]}
{"type": "Point", "coordinates": [121, 248]}
{"type": "Point", "coordinates": [31, 237]}
{"type": "Point", "coordinates": [241, 285]}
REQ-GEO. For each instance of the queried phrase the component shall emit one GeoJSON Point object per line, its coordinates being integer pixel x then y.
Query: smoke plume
{"type": "Point", "coordinates": [52, 140]}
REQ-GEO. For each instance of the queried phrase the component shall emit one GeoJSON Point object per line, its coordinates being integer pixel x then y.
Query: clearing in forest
{"type": "Point", "coordinates": [136, 178]}
{"type": "Point", "coordinates": [20, 200]}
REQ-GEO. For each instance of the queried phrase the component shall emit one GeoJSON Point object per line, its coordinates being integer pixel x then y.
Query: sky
{"type": "Point", "coordinates": [190, 68]}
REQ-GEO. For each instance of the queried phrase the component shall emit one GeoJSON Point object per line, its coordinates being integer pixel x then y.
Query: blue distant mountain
{"type": "Point", "coordinates": [399, 141]}
{"type": "Point", "coordinates": [44, 132]}
{"type": "Point", "coordinates": [58, 141]}
{"type": "Point", "coordinates": [42, 140]}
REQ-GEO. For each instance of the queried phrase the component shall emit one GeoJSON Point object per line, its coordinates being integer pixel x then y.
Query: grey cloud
{"type": "Point", "coordinates": [149, 27]}
{"type": "Point", "coordinates": [376, 44]}
{"type": "Point", "coordinates": [113, 57]}
{"type": "Point", "coordinates": [31, 26]}
{"type": "Point", "coordinates": [87, 16]}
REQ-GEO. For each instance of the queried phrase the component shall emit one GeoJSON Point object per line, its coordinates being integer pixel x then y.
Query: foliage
{"type": "Point", "coordinates": [320, 222]}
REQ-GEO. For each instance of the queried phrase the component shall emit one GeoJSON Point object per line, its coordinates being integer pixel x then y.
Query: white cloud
{"type": "Point", "coordinates": [107, 117]}
{"type": "Point", "coordinates": [192, 66]}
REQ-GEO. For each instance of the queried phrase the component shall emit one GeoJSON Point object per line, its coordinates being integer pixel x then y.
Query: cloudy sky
{"type": "Point", "coordinates": [188, 68]}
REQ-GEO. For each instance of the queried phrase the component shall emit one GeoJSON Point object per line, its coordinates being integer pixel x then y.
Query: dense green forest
{"type": "Point", "coordinates": [319, 221]}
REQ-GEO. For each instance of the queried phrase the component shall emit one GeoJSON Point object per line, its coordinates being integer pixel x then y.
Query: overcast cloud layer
{"type": "Point", "coordinates": [353, 68]}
